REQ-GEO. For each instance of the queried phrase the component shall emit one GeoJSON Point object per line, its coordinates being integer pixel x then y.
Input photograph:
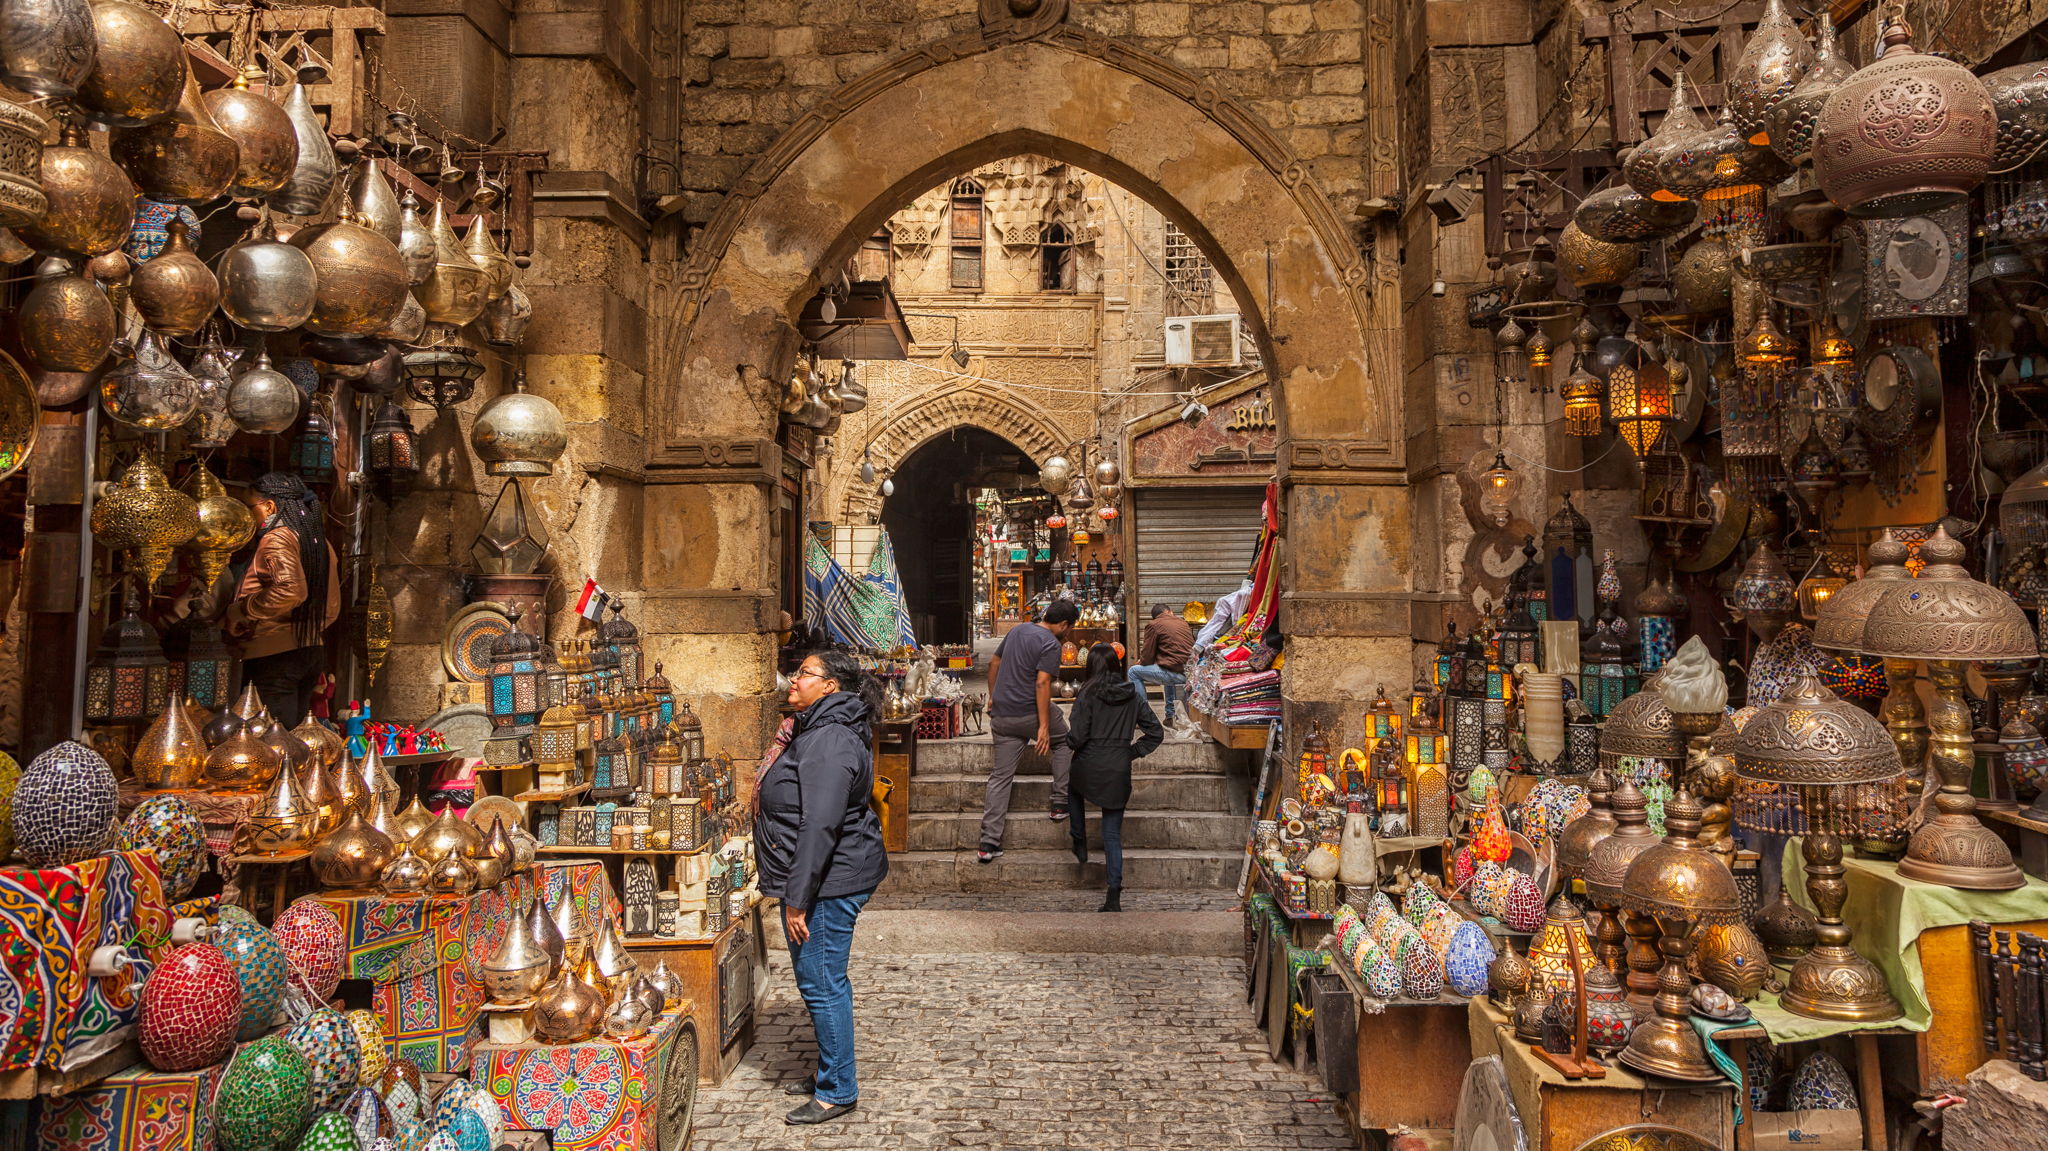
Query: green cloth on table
{"type": "Point", "coordinates": [1719, 1058]}
{"type": "Point", "coordinates": [1888, 911]}
{"type": "Point", "coordinates": [1785, 1027]}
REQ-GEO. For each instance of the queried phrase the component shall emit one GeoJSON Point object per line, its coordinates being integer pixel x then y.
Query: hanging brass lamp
{"type": "Point", "coordinates": [1908, 134]}
{"type": "Point", "coordinates": [225, 524]}
{"type": "Point", "coordinates": [174, 290]}
{"type": "Point", "coordinates": [144, 517]}
{"type": "Point", "coordinates": [266, 140]}
{"type": "Point", "coordinates": [184, 158]}
{"type": "Point", "coordinates": [1644, 170]}
{"type": "Point", "coordinates": [311, 183]}
{"type": "Point", "coordinates": [454, 292]}
{"type": "Point", "coordinates": [1774, 60]}
{"type": "Point", "coordinates": [138, 67]}
{"type": "Point", "coordinates": [1794, 119]}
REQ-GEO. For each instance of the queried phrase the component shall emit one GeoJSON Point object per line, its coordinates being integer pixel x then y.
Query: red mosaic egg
{"type": "Point", "coordinates": [1462, 864]}
{"type": "Point", "coordinates": [1523, 907]}
{"type": "Point", "coordinates": [312, 940]}
{"type": "Point", "coordinates": [191, 1007]}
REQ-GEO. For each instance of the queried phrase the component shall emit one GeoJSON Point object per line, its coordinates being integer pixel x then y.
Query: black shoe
{"type": "Point", "coordinates": [815, 1112]}
{"type": "Point", "coordinates": [1081, 852]}
{"type": "Point", "coordinates": [988, 855]}
{"type": "Point", "coordinates": [1111, 903]}
{"type": "Point", "coordinates": [808, 1085]}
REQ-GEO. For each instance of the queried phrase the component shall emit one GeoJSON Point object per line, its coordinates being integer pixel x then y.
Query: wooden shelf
{"type": "Point", "coordinates": [417, 758]}
{"type": "Point", "coordinates": [280, 857]}
{"type": "Point", "coordinates": [565, 849]}
{"type": "Point", "coordinates": [551, 796]}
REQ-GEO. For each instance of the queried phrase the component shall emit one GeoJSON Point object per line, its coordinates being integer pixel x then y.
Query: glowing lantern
{"type": "Point", "coordinates": [1641, 403]}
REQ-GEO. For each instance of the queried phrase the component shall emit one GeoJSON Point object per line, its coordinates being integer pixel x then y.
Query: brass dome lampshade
{"type": "Point", "coordinates": [1773, 62]}
{"type": "Point", "coordinates": [1639, 396]}
{"type": "Point", "coordinates": [1575, 844]}
{"type": "Point", "coordinates": [1822, 749]}
{"type": "Point", "coordinates": [1622, 215]}
{"type": "Point", "coordinates": [1605, 869]}
{"type": "Point", "coordinates": [1719, 163]}
{"type": "Point", "coordinates": [1951, 621]}
{"type": "Point", "coordinates": [1681, 885]}
{"type": "Point", "coordinates": [1840, 627]}
{"type": "Point", "coordinates": [1645, 170]}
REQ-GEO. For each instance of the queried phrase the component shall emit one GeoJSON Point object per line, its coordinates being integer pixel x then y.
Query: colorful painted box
{"type": "Point", "coordinates": [134, 1110]}
{"type": "Point", "coordinates": [604, 1095]}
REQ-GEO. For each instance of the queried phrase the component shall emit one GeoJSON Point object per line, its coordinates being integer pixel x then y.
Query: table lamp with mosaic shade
{"type": "Point", "coordinates": [1834, 759]}
{"type": "Point", "coordinates": [1950, 621]}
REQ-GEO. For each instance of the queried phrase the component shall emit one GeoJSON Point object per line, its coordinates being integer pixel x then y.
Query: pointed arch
{"type": "Point", "coordinates": [916, 422]}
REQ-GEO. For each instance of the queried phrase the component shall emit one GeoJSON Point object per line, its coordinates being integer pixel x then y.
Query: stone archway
{"type": "Point", "coordinates": [1326, 318]}
{"type": "Point", "coordinates": [913, 424]}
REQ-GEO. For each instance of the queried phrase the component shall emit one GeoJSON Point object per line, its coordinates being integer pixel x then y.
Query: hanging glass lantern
{"type": "Point", "coordinates": [1765, 344]}
{"type": "Point", "coordinates": [1498, 486]}
{"type": "Point", "coordinates": [1539, 349]}
{"type": "Point", "coordinates": [1055, 521]}
{"type": "Point", "coordinates": [1568, 564]}
{"type": "Point", "coordinates": [1581, 391]}
{"type": "Point", "coordinates": [389, 451]}
{"type": "Point", "coordinates": [1834, 350]}
{"type": "Point", "coordinates": [513, 540]}
{"type": "Point", "coordinates": [1107, 515]}
{"type": "Point", "coordinates": [1427, 788]}
{"type": "Point", "coordinates": [1081, 537]}
{"type": "Point", "coordinates": [443, 371]}
{"type": "Point", "coordinates": [1509, 359]}
{"type": "Point", "coordinates": [664, 694]}
{"type": "Point", "coordinates": [128, 680]}
{"type": "Point", "coordinates": [202, 668]}
{"type": "Point", "coordinates": [312, 451]}
{"type": "Point", "coordinates": [1640, 400]}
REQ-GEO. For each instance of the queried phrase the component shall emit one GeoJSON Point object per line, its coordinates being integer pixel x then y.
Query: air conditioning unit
{"type": "Point", "coordinates": [1202, 341]}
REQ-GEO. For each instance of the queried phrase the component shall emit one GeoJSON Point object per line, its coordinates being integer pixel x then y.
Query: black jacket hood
{"type": "Point", "coordinates": [1116, 692]}
{"type": "Point", "coordinates": [843, 708]}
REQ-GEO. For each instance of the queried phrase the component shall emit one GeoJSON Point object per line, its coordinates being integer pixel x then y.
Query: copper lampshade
{"type": "Point", "coordinates": [1645, 168]}
{"type": "Point", "coordinates": [1681, 885]}
{"type": "Point", "coordinates": [1575, 845]}
{"type": "Point", "coordinates": [1843, 616]}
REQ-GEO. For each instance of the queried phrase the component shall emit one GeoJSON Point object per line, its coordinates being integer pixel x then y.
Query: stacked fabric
{"type": "Point", "coordinates": [1250, 698]}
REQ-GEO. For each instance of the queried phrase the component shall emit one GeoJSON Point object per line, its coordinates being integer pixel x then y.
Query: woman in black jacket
{"type": "Point", "coordinates": [1108, 711]}
{"type": "Point", "coordinates": [820, 850]}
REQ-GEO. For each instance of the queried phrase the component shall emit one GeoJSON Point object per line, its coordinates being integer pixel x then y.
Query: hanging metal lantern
{"type": "Point", "coordinates": [266, 285]}
{"type": "Point", "coordinates": [1719, 163]}
{"type": "Point", "coordinates": [174, 290]}
{"type": "Point", "coordinates": [1591, 263]}
{"type": "Point", "coordinates": [379, 627]}
{"type": "Point", "coordinates": [1772, 63]}
{"type": "Point", "coordinates": [415, 241]}
{"type": "Point", "coordinates": [311, 184]}
{"type": "Point", "coordinates": [225, 524]}
{"type": "Point", "coordinates": [1080, 497]}
{"type": "Point", "coordinates": [481, 245]}
{"type": "Point", "coordinates": [202, 667]}
{"type": "Point", "coordinates": [46, 46]}
{"type": "Point", "coordinates": [454, 292]}
{"type": "Point", "coordinates": [1498, 486]}
{"type": "Point", "coordinates": [211, 425]}
{"type": "Point", "coordinates": [151, 390]}
{"type": "Point", "coordinates": [514, 539]}
{"type": "Point", "coordinates": [22, 200]}
{"type": "Point", "coordinates": [1906, 135]}
{"type": "Point", "coordinates": [389, 452]}
{"type": "Point", "coordinates": [1582, 391]}
{"type": "Point", "coordinates": [376, 205]}
{"type": "Point", "coordinates": [66, 323]}
{"type": "Point", "coordinates": [138, 66]}
{"type": "Point", "coordinates": [312, 450]}
{"type": "Point", "coordinates": [2019, 95]}
{"type": "Point", "coordinates": [1703, 282]}
{"type": "Point", "coordinates": [90, 200]}
{"type": "Point", "coordinates": [1645, 168]}
{"type": "Point", "coordinates": [513, 682]}
{"type": "Point", "coordinates": [519, 433]}
{"type": "Point", "coordinates": [1622, 215]}
{"type": "Point", "coordinates": [1055, 474]}
{"type": "Point", "coordinates": [266, 141]}
{"type": "Point", "coordinates": [444, 371]}
{"type": "Point", "coordinates": [1794, 119]}
{"type": "Point", "coordinates": [128, 680]}
{"type": "Point", "coordinates": [1765, 345]}
{"type": "Point", "coordinates": [143, 516]}
{"type": "Point", "coordinates": [1639, 401]}
{"type": "Point", "coordinates": [358, 276]}
{"type": "Point", "coordinates": [506, 319]}
{"type": "Point", "coordinates": [263, 400]}
{"type": "Point", "coordinates": [185, 158]}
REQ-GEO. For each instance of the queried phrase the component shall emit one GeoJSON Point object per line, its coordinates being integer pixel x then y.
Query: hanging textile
{"type": "Point", "coordinates": [1259, 610]}
{"type": "Point", "coordinates": [865, 612]}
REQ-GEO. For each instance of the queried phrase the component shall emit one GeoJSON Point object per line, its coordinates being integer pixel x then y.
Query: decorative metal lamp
{"type": "Point", "coordinates": [1382, 718]}
{"type": "Point", "coordinates": [1607, 674]}
{"type": "Point", "coordinates": [1822, 750]}
{"type": "Point", "coordinates": [1658, 610]}
{"type": "Point", "coordinates": [1498, 486]}
{"type": "Point", "coordinates": [612, 774]}
{"type": "Point", "coordinates": [312, 449]}
{"type": "Point", "coordinates": [225, 524]}
{"type": "Point", "coordinates": [1773, 62]}
{"type": "Point", "coordinates": [1765, 593]}
{"type": "Point", "coordinates": [1606, 867]}
{"type": "Point", "coordinates": [1550, 953]}
{"type": "Point", "coordinates": [1576, 842]}
{"type": "Point", "coordinates": [554, 746]}
{"type": "Point", "coordinates": [128, 680]}
{"type": "Point", "coordinates": [1681, 885]}
{"type": "Point", "coordinates": [1568, 564]}
{"type": "Point", "coordinates": [623, 638]}
{"type": "Point", "coordinates": [1841, 625]}
{"type": "Point", "coordinates": [1639, 401]}
{"type": "Point", "coordinates": [389, 452]}
{"type": "Point", "coordinates": [1794, 119]}
{"type": "Point", "coordinates": [514, 684]}
{"type": "Point", "coordinates": [1765, 345]}
{"type": "Point", "coordinates": [1582, 392]}
{"type": "Point", "coordinates": [1719, 163]}
{"type": "Point", "coordinates": [1695, 688]}
{"type": "Point", "coordinates": [1645, 170]}
{"type": "Point", "coordinates": [1908, 134]}
{"type": "Point", "coordinates": [1951, 620]}
{"type": "Point", "coordinates": [514, 539]}
{"type": "Point", "coordinates": [444, 372]}
{"type": "Point", "coordinates": [1389, 781]}
{"type": "Point", "coordinates": [202, 667]}
{"type": "Point", "coordinates": [145, 517]}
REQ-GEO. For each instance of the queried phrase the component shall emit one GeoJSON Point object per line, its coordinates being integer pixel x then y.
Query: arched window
{"type": "Point", "coordinates": [966, 235]}
{"type": "Point", "coordinates": [1056, 259]}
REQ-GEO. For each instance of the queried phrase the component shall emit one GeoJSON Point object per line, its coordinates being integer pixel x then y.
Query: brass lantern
{"type": "Point", "coordinates": [1910, 133]}
{"type": "Point", "coordinates": [519, 433]}
{"type": "Point", "coordinates": [128, 680]}
{"type": "Point", "coordinates": [1645, 168]}
{"type": "Point", "coordinates": [389, 452]}
{"type": "Point", "coordinates": [1773, 62]}
{"type": "Point", "coordinates": [1681, 885]}
{"type": "Point", "coordinates": [225, 524]}
{"type": "Point", "coordinates": [1582, 391]}
{"type": "Point", "coordinates": [664, 695]}
{"type": "Point", "coordinates": [1639, 397]}
{"type": "Point", "coordinates": [514, 681]}
{"type": "Point", "coordinates": [623, 638]}
{"type": "Point", "coordinates": [443, 371]}
{"type": "Point", "coordinates": [145, 517]}
{"type": "Point", "coordinates": [554, 741]}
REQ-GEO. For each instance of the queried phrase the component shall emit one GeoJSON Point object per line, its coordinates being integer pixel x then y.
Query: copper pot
{"type": "Point", "coordinates": [175, 291]}
{"type": "Point", "coordinates": [66, 324]}
{"type": "Point", "coordinates": [1906, 135]}
{"type": "Point", "coordinates": [92, 201]}
{"type": "Point", "coordinates": [185, 158]}
{"type": "Point", "coordinates": [46, 46]}
{"type": "Point", "coordinates": [361, 279]}
{"type": "Point", "coordinates": [139, 69]}
{"type": "Point", "coordinates": [267, 142]}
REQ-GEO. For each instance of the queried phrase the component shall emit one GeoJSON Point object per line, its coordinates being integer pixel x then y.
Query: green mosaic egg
{"type": "Point", "coordinates": [330, 1132]}
{"type": "Point", "coordinates": [263, 1098]}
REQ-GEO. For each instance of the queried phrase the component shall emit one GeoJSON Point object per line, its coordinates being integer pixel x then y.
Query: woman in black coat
{"type": "Point", "coordinates": [1106, 715]}
{"type": "Point", "coordinates": [820, 850]}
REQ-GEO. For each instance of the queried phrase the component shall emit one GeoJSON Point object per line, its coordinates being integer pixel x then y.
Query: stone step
{"type": "Point", "coordinates": [936, 794]}
{"type": "Point", "coordinates": [1030, 829]}
{"type": "Point", "coordinates": [1154, 869]}
{"type": "Point", "coordinates": [972, 755]}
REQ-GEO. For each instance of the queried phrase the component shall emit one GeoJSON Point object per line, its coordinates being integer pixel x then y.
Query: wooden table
{"type": "Point", "coordinates": [1559, 1114]}
{"type": "Point", "coordinates": [1411, 1061]}
{"type": "Point", "coordinates": [1869, 1080]}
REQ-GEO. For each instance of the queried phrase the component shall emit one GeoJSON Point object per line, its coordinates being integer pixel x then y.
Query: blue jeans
{"type": "Point", "coordinates": [820, 963]}
{"type": "Point", "coordinates": [1112, 834]}
{"type": "Point", "coordinates": [1145, 673]}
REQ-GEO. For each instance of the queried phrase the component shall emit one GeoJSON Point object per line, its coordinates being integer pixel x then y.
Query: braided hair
{"type": "Point", "coordinates": [298, 508]}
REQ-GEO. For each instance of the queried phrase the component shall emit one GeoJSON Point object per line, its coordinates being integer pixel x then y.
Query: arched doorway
{"type": "Point", "coordinates": [931, 521]}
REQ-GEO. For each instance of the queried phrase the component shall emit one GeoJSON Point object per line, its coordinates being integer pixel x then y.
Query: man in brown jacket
{"type": "Point", "coordinates": [1163, 652]}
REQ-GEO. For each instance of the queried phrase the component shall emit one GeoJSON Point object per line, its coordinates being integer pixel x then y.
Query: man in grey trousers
{"type": "Point", "coordinates": [1021, 711]}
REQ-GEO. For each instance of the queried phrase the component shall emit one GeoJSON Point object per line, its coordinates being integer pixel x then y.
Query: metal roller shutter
{"type": "Point", "coordinates": [1193, 543]}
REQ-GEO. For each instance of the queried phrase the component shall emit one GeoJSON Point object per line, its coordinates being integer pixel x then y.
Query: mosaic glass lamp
{"type": "Point", "coordinates": [128, 680]}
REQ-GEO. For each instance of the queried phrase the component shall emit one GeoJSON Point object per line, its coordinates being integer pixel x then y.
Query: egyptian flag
{"type": "Point", "coordinates": [592, 603]}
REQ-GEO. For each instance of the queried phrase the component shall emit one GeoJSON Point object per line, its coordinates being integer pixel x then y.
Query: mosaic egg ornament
{"type": "Point", "coordinates": [191, 1006]}
{"type": "Point", "coordinates": [1467, 958]}
{"type": "Point", "coordinates": [261, 1104]}
{"type": "Point", "coordinates": [1422, 977]}
{"type": "Point", "coordinates": [10, 778]}
{"type": "Point", "coordinates": [1379, 972]}
{"type": "Point", "coordinates": [1490, 886]}
{"type": "Point", "coordinates": [1522, 909]}
{"type": "Point", "coordinates": [1443, 924]}
{"type": "Point", "coordinates": [468, 1131]}
{"type": "Point", "coordinates": [1552, 804]}
{"type": "Point", "coordinates": [440, 1141]}
{"type": "Point", "coordinates": [328, 1042]}
{"type": "Point", "coordinates": [384, 1144]}
{"type": "Point", "coordinates": [64, 806]}
{"type": "Point", "coordinates": [1821, 1084]}
{"type": "Point", "coordinates": [370, 1046]}
{"type": "Point", "coordinates": [259, 968]}
{"type": "Point", "coordinates": [165, 827]}
{"type": "Point", "coordinates": [1462, 864]}
{"type": "Point", "coordinates": [1761, 1074]}
{"type": "Point", "coordinates": [1415, 907]}
{"type": "Point", "coordinates": [368, 1117]}
{"type": "Point", "coordinates": [404, 1094]}
{"type": "Point", "coordinates": [329, 1132]}
{"type": "Point", "coordinates": [312, 939]}
{"type": "Point", "coordinates": [1478, 784]}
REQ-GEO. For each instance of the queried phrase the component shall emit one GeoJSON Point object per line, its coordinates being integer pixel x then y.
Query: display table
{"type": "Point", "coordinates": [1560, 1114]}
{"type": "Point", "coordinates": [1909, 928]}
{"type": "Point", "coordinates": [1236, 737]}
{"type": "Point", "coordinates": [719, 976]}
{"type": "Point", "coordinates": [1429, 1041]}
{"type": "Point", "coordinates": [603, 1095]}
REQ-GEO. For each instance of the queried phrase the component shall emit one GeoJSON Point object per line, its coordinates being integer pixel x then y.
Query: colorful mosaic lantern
{"type": "Point", "coordinates": [664, 695]}
{"type": "Point", "coordinates": [128, 680]}
{"type": "Point", "coordinates": [390, 451]}
{"type": "Point", "coordinates": [202, 668]}
{"type": "Point", "coordinates": [623, 638]}
{"type": "Point", "coordinates": [1441, 674]}
{"type": "Point", "coordinates": [1382, 718]}
{"type": "Point", "coordinates": [514, 680]}
{"type": "Point", "coordinates": [1658, 609]}
{"type": "Point", "coordinates": [1490, 842]}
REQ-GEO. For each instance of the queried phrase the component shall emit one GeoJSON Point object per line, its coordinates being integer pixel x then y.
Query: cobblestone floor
{"type": "Point", "coordinates": [1009, 1051]}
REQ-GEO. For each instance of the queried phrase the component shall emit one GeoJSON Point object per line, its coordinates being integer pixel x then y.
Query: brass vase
{"type": "Point", "coordinates": [361, 280]}
{"type": "Point", "coordinates": [453, 292]}
{"type": "Point", "coordinates": [266, 142]}
{"type": "Point", "coordinates": [311, 183]}
{"type": "Point", "coordinates": [46, 46]}
{"type": "Point", "coordinates": [184, 158]}
{"type": "Point", "coordinates": [281, 821]}
{"type": "Point", "coordinates": [174, 290]}
{"type": "Point", "coordinates": [66, 323]}
{"type": "Point", "coordinates": [516, 971]}
{"type": "Point", "coordinates": [266, 285]}
{"type": "Point", "coordinates": [353, 856]}
{"type": "Point", "coordinates": [446, 836]}
{"type": "Point", "coordinates": [138, 69]}
{"type": "Point", "coordinates": [406, 874]}
{"type": "Point", "coordinates": [171, 755]}
{"type": "Point", "coordinates": [145, 517]}
{"type": "Point", "coordinates": [225, 524]}
{"type": "Point", "coordinates": [568, 1010]}
{"type": "Point", "coordinates": [241, 763]}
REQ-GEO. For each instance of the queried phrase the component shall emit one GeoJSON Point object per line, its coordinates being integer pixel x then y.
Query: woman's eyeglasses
{"type": "Point", "coordinates": [809, 675]}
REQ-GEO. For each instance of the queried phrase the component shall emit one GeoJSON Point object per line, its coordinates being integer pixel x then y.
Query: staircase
{"type": "Point", "coordinates": [1185, 827]}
